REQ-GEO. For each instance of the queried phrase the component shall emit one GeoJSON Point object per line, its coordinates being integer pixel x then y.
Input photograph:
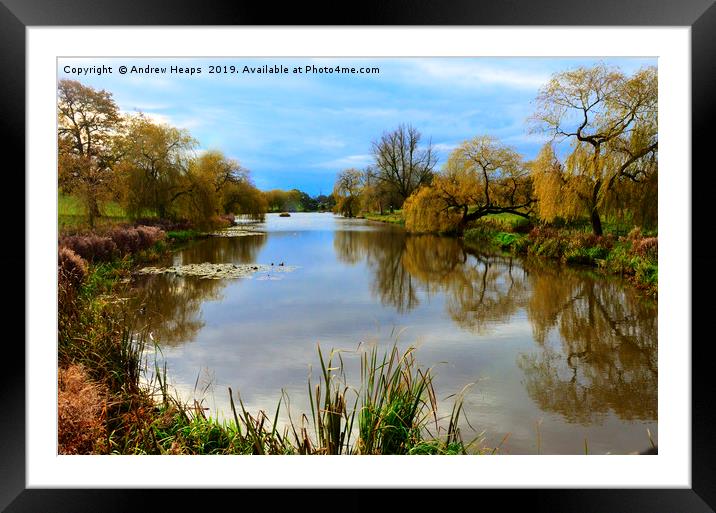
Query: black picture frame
{"type": "Point", "coordinates": [699, 15]}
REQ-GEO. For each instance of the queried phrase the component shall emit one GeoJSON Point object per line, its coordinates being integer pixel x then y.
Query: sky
{"type": "Point", "coordinates": [299, 130]}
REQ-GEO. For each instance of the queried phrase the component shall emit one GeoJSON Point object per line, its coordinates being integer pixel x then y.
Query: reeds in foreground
{"type": "Point", "coordinates": [393, 411]}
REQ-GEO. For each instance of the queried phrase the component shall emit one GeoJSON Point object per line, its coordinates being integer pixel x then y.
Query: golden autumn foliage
{"type": "Point", "coordinates": [347, 192]}
{"type": "Point", "coordinates": [611, 121]}
{"type": "Point", "coordinates": [425, 212]}
{"type": "Point", "coordinates": [87, 122]}
{"type": "Point", "coordinates": [481, 176]}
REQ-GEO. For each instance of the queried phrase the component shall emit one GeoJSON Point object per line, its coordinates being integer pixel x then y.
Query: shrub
{"type": "Point", "coordinates": [149, 236]}
{"type": "Point", "coordinates": [71, 269]}
{"type": "Point", "coordinates": [126, 239]}
{"type": "Point", "coordinates": [91, 247]}
{"type": "Point", "coordinates": [131, 240]}
{"type": "Point", "coordinates": [71, 273]}
{"type": "Point", "coordinates": [634, 233]}
{"type": "Point", "coordinates": [505, 240]}
{"type": "Point", "coordinates": [647, 247]}
{"type": "Point", "coordinates": [80, 423]}
{"type": "Point", "coordinates": [585, 256]}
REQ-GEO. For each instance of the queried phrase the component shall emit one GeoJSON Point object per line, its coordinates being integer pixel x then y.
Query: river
{"type": "Point", "coordinates": [558, 356]}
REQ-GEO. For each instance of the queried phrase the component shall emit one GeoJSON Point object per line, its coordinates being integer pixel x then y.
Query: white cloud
{"type": "Point", "coordinates": [347, 161]}
{"type": "Point", "coordinates": [472, 74]}
{"type": "Point", "coordinates": [161, 118]}
{"type": "Point", "coordinates": [444, 147]}
{"type": "Point", "coordinates": [329, 142]}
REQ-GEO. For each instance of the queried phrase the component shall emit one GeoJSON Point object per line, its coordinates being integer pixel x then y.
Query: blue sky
{"type": "Point", "coordinates": [299, 130]}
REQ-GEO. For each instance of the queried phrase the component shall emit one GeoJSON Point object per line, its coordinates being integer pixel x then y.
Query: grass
{"type": "Point", "coordinates": [72, 214]}
{"type": "Point", "coordinates": [394, 410]}
{"type": "Point", "coordinates": [608, 254]}
{"type": "Point", "coordinates": [182, 236]}
{"type": "Point", "coordinates": [395, 218]}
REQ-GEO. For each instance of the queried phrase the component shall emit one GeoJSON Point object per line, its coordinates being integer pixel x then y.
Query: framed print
{"type": "Point", "coordinates": [422, 242]}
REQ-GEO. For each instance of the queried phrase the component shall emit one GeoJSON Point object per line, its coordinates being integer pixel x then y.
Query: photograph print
{"type": "Point", "coordinates": [357, 256]}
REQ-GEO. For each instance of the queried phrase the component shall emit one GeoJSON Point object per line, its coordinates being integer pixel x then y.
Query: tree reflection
{"type": "Point", "coordinates": [170, 306]}
{"type": "Point", "coordinates": [234, 250]}
{"type": "Point", "coordinates": [596, 337]}
{"type": "Point", "coordinates": [481, 290]}
{"type": "Point", "coordinates": [605, 357]}
{"type": "Point", "coordinates": [382, 251]}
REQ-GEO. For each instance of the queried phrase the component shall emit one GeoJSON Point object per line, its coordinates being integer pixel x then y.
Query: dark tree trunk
{"type": "Point", "coordinates": [92, 211]}
{"type": "Point", "coordinates": [596, 222]}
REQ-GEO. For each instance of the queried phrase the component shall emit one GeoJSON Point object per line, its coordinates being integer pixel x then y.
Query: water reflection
{"type": "Point", "coordinates": [480, 289]}
{"type": "Point", "coordinates": [383, 253]}
{"type": "Point", "coordinates": [234, 250]}
{"type": "Point", "coordinates": [605, 355]}
{"type": "Point", "coordinates": [546, 338]}
{"type": "Point", "coordinates": [170, 306]}
{"type": "Point", "coordinates": [602, 356]}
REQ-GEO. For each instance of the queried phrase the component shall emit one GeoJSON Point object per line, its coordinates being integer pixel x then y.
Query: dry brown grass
{"type": "Point", "coordinates": [81, 410]}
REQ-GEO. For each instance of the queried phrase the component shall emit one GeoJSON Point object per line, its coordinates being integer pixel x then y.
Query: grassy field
{"type": "Point", "coordinates": [395, 218]}
{"type": "Point", "coordinates": [72, 214]}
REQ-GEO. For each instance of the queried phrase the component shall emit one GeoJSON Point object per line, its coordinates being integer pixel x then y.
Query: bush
{"type": "Point", "coordinates": [149, 236]}
{"type": "Point", "coordinates": [91, 247]}
{"type": "Point", "coordinates": [132, 240]}
{"type": "Point", "coordinates": [80, 422]}
{"type": "Point", "coordinates": [126, 239]}
{"type": "Point", "coordinates": [505, 240]}
{"type": "Point", "coordinates": [71, 274]}
{"type": "Point", "coordinates": [585, 256]}
{"type": "Point", "coordinates": [118, 241]}
{"type": "Point", "coordinates": [477, 235]}
{"type": "Point", "coordinates": [647, 247]}
{"type": "Point", "coordinates": [71, 269]}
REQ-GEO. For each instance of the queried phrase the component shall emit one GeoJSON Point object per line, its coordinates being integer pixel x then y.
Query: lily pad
{"type": "Point", "coordinates": [220, 271]}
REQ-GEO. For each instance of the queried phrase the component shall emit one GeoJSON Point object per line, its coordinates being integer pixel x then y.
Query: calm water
{"type": "Point", "coordinates": [550, 349]}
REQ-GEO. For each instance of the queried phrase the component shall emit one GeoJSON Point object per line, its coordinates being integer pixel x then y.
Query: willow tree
{"type": "Point", "coordinates": [347, 191]}
{"type": "Point", "coordinates": [481, 177]}
{"type": "Point", "coordinates": [610, 120]}
{"type": "Point", "coordinates": [154, 166]}
{"type": "Point", "coordinates": [88, 122]}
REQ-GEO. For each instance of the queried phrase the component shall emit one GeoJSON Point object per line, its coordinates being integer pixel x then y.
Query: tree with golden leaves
{"type": "Point", "coordinates": [154, 166]}
{"type": "Point", "coordinates": [87, 123]}
{"type": "Point", "coordinates": [347, 191]}
{"type": "Point", "coordinates": [482, 176]}
{"type": "Point", "coordinates": [611, 121]}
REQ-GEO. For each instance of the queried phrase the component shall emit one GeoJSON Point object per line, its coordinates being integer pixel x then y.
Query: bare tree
{"type": "Point", "coordinates": [401, 163]}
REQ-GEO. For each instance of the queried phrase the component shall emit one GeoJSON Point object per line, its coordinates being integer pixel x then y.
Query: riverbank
{"type": "Point", "coordinates": [394, 218]}
{"type": "Point", "coordinates": [107, 405]}
{"type": "Point", "coordinates": [633, 256]}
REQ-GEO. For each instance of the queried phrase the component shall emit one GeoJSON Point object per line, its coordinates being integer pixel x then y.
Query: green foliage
{"type": "Point", "coordinates": [181, 236]}
{"type": "Point", "coordinates": [585, 256]}
{"type": "Point", "coordinates": [395, 218]}
{"type": "Point", "coordinates": [505, 240]}
{"type": "Point", "coordinates": [504, 222]}
{"type": "Point", "coordinates": [635, 256]}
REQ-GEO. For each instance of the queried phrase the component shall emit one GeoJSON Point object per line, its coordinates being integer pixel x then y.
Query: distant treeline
{"type": "Point", "coordinates": [295, 200]}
